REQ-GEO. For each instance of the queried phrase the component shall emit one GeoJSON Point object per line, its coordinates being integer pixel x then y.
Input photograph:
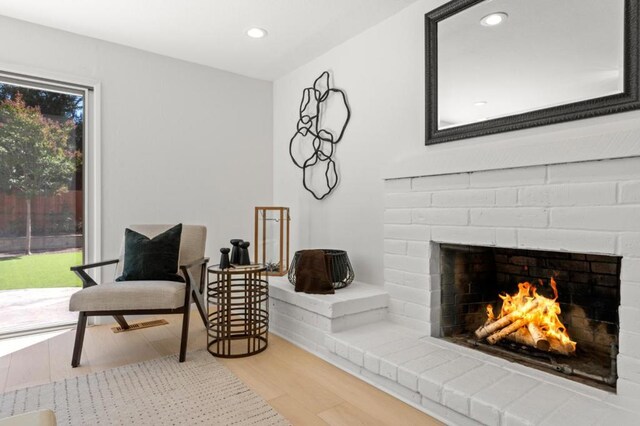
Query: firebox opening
{"type": "Point", "coordinates": [502, 301]}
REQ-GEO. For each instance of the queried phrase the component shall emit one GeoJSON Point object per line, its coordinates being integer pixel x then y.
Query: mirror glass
{"type": "Point", "coordinates": [504, 57]}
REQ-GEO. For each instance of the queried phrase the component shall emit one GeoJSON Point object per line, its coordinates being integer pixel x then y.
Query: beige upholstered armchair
{"type": "Point", "coordinates": [145, 297]}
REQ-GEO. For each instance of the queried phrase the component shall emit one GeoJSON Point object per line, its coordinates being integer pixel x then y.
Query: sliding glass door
{"type": "Point", "coordinates": [42, 140]}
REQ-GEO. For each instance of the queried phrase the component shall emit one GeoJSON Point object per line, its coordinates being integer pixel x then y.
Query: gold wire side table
{"type": "Point", "coordinates": [238, 311]}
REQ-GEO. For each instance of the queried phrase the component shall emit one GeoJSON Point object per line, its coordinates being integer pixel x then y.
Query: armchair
{"type": "Point", "coordinates": [121, 298]}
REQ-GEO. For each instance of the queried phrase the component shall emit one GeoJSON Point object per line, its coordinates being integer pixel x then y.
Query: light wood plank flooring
{"type": "Point", "coordinates": [302, 387]}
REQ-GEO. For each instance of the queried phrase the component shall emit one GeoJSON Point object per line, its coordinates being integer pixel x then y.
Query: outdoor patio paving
{"type": "Point", "coordinates": [35, 308]}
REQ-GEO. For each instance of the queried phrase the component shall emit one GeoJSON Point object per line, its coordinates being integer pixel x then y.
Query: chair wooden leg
{"type": "Point", "coordinates": [121, 321]}
{"type": "Point", "coordinates": [185, 332]}
{"type": "Point", "coordinates": [77, 347]}
{"type": "Point", "coordinates": [199, 300]}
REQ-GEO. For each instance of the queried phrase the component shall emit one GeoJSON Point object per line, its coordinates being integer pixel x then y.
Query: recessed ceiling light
{"type": "Point", "coordinates": [480, 103]}
{"type": "Point", "coordinates": [494, 19]}
{"type": "Point", "coordinates": [256, 32]}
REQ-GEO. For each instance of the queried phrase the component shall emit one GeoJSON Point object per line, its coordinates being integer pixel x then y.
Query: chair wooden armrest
{"type": "Point", "coordinates": [94, 265]}
{"type": "Point", "coordinates": [186, 270]}
{"type": "Point", "coordinates": [190, 265]}
{"type": "Point", "coordinates": [87, 281]}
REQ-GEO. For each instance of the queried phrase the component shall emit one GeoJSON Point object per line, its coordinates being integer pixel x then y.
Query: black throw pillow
{"type": "Point", "coordinates": [151, 259]}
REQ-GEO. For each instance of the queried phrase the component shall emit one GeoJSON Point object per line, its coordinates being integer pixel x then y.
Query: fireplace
{"type": "Point", "coordinates": [571, 325]}
{"type": "Point", "coordinates": [454, 240]}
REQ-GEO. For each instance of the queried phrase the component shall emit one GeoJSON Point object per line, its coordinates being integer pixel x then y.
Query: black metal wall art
{"type": "Point", "coordinates": [312, 146]}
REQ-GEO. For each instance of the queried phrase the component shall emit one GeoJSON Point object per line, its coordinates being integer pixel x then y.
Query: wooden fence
{"type": "Point", "coordinates": [50, 215]}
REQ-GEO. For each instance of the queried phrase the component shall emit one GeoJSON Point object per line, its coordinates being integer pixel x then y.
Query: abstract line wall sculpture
{"type": "Point", "coordinates": [323, 118]}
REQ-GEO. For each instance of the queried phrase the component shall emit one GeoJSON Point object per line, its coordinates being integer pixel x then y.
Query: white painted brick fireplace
{"type": "Point", "coordinates": [391, 337]}
{"type": "Point", "coordinates": [587, 207]}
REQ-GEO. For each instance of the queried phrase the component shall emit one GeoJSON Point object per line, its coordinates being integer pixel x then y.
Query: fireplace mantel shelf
{"type": "Point", "coordinates": [597, 139]}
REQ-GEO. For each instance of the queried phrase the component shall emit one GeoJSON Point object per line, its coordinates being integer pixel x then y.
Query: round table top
{"type": "Point", "coordinates": [238, 269]}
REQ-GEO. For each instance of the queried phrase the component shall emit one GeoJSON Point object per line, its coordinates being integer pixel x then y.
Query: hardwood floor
{"type": "Point", "coordinates": [302, 387]}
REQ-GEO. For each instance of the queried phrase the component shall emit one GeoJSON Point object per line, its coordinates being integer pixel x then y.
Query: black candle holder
{"type": "Point", "coordinates": [235, 251]}
{"type": "Point", "coordinates": [224, 258]}
{"type": "Point", "coordinates": [244, 258]}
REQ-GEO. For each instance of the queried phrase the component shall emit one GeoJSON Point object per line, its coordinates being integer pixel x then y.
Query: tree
{"type": "Point", "coordinates": [52, 104]}
{"type": "Point", "coordinates": [57, 106]}
{"type": "Point", "coordinates": [36, 154]}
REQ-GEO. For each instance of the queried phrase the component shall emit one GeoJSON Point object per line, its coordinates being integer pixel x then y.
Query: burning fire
{"type": "Point", "coordinates": [530, 319]}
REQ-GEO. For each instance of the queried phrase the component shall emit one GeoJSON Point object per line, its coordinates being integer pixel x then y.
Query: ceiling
{"type": "Point", "coordinates": [212, 32]}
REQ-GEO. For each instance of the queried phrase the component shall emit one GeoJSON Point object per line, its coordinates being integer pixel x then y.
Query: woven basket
{"type": "Point", "coordinates": [338, 265]}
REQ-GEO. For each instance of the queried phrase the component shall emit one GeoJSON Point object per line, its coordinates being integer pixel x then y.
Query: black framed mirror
{"type": "Point", "coordinates": [496, 66]}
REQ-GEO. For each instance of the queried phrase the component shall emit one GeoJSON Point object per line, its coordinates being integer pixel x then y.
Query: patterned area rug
{"type": "Point", "coordinates": [199, 391]}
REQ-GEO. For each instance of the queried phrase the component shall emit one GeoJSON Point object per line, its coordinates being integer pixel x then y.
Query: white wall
{"type": "Point", "coordinates": [382, 72]}
{"type": "Point", "coordinates": [180, 142]}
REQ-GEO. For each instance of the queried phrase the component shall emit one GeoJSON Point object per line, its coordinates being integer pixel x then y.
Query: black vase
{"type": "Point", "coordinates": [224, 258]}
{"type": "Point", "coordinates": [235, 252]}
{"type": "Point", "coordinates": [244, 253]}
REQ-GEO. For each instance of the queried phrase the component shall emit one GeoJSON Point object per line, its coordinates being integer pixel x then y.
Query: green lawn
{"type": "Point", "coordinates": [40, 271]}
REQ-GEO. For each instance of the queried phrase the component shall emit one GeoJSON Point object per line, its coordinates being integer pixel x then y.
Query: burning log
{"type": "Point", "coordinates": [539, 339]}
{"type": "Point", "coordinates": [520, 331]}
{"type": "Point", "coordinates": [523, 337]}
{"type": "Point", "coordinates": [493, 327]}
{"type": "Point", "coordinates": [513, 327]}
{"type": "Point", "coordinates": [529, 319]}
{"type": "Point", "coordinates": [562, 348]}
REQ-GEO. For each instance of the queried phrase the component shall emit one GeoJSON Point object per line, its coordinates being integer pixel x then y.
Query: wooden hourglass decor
{"type": "Point", "coordinates": [271, 247]}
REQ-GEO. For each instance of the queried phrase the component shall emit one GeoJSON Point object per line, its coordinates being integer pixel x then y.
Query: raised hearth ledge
{"type": "Point", "coordinates": [356, 298]}
{"type": "Point", "coordinates": [584, 140]}
{"type": "Point", "coordinates": [310, 316]}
